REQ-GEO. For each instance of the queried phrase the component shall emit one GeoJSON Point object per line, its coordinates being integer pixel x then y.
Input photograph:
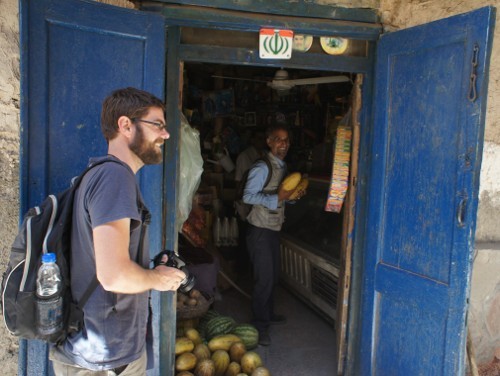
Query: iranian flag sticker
{"type": "Point", "coordinates": [275, 44]}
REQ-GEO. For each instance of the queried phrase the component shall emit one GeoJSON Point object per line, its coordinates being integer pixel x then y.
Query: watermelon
{"type": "Point", "coordinates": [248, 334]}
{"type": "Point", "coordinates": [202, 325]}
{"type": "Point", "coordinates": [219, 325]}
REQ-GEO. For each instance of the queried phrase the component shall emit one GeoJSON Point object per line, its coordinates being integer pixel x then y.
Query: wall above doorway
{"type": "Point", "coordinates": [348, 10]}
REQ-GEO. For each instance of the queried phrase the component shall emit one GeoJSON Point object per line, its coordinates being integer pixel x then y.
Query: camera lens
{"type": "Point", "coordinates": [175, 261]}
{"type": "Point", "coordinates": [187, 283]}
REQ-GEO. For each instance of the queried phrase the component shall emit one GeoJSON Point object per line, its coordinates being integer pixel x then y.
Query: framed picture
{"type": "Point", "coordinates": [250, 119]}
{"type": "Point", "coordinates": [218, 103]}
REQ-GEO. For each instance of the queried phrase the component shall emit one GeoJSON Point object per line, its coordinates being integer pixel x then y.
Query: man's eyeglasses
{"type": "Point", "coordinates": [160, 126]}
{"type": "Point", "coordinates": [279, 139]}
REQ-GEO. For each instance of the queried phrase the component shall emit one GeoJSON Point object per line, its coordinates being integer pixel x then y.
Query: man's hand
{"type": "Point", "coordinates": [284, 194]}
{"type": "Point", "coordinates": [300, 193]}
{"type": "Point", "coordinates": [168, 278]}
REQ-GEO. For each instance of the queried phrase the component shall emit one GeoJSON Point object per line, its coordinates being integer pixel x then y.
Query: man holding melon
{"type": "Point", "coordinates": [264, 224]}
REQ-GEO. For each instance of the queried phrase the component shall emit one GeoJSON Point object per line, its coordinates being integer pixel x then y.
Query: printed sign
{"type": "Point", "coordinates": [275, 44]}
{"type": "Point", "coordinates": [340, 173]}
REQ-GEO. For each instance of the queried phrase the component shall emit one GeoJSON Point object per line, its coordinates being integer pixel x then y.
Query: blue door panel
{"type": "Point", "coordinates": [74, 53]}
{"type": "Point", "coordinates": [409, 342]}
{"type": "Point", "coordinates": [427, 143]}
{"type": "Point", "coordinates": [74, 122]}
{"type": "Point", "coordinates": [421, 190]}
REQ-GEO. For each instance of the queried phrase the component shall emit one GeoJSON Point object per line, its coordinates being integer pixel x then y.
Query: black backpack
{"type": "Point", "coordinates": [242, 208]}
{"type": "Point", "coordinates": [45, 228]}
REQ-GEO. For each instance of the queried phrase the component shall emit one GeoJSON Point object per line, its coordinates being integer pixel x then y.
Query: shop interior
{"type": "Point", "coordinates": [226, 105]}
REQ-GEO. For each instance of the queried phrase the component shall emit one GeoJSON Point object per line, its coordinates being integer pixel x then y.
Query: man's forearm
{"type": "Point", "coordinates": [130, 278]}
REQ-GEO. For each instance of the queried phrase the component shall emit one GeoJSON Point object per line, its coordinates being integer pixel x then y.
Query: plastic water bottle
{"type": "Point", "coordinates": [49, 300]}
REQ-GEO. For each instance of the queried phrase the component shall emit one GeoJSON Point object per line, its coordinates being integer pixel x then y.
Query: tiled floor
{"type": "Point", "coordinates": [304, 346]}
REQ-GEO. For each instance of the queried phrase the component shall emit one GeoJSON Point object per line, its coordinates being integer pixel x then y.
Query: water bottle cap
{"type": "Point", "coordinates": [49, 257]}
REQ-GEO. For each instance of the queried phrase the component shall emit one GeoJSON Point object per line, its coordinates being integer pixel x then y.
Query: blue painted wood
{"type": "Point", "coordinates": [427, 148]}
{"type": "Point", "coordinates": [232, 20]}
{"type": "Point", "coordinates": [300, 8]}
{"type": "Point", "coordinates": [73, 54]}
{"type": "Point", "coordinates": [352, 360]}
{"type": "Point", "coordinates": [171, 183]}
{"type": "Point", "coordinates": [245, 56]}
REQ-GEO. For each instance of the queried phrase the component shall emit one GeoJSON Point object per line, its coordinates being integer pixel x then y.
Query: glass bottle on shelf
{"type": "Point", "coordinates": [234, 231]}
{"type": "Point", "coordinates": [217, 233]}
{"type": "Point", "coordinates": [225, 240]}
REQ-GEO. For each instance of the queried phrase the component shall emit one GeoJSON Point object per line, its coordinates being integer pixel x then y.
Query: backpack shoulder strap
{"type": "Point", "coordinates": [270, 170]}
{"type": "Point", "coordinates": [75, 182]}
{"type": "Point", "coordinates": [90, 289]}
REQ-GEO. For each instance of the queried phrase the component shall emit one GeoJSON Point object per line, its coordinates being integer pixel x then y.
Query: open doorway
{"type": "Point", "coordinates": [228, 104]}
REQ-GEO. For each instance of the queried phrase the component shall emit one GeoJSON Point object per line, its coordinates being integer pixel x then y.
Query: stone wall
{"type": "Point", "coordinates": [9, 155]}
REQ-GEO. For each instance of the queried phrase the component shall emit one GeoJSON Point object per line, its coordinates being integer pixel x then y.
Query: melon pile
{"type": "Point", "coordinates": [217, 346]}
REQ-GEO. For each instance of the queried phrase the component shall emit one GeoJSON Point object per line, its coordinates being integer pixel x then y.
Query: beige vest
{"type": "Point", "coordinates": [260, 216]}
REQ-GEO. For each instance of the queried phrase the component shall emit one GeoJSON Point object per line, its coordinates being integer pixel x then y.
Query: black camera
{"type": "Point", "coordinates": [176, 261]}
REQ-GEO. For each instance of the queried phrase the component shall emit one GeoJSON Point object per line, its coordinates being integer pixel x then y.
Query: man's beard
{"type": "Point", "coordinates": [148, 152]}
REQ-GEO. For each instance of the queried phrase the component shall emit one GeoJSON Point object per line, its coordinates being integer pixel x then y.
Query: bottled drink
{"type": "Point", "coordinates": [217, 233]}
{"type": "Point", "coordinates": [234, 231]}
{"type": "Point", "coordinates": [225, 232]}
{"type": "Point", "coordinates": [49, 300]}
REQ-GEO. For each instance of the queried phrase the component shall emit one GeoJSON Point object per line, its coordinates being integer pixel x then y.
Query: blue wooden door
{"type": "Point", "coordinates": [73, 54]}
{"type": "Point", "coordinates": [430, 93]}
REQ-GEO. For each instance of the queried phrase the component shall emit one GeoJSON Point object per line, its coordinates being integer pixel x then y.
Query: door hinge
{"type": "Point", "coordinates": [461, 211]}
{"type": "Point", "coordinates": [473, 74]}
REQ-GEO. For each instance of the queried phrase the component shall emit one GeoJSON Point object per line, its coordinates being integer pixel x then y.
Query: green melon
{"type": "Point", "coordinates": [202, 325]}
{"type": "Point", "coordinates": [218, 326]}
{"type": "Point", "coordinates": [248, 334]}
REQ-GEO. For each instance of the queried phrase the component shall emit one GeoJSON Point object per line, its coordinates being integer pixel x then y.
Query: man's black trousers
{"type": "Point", "coordinates": [264, 250]}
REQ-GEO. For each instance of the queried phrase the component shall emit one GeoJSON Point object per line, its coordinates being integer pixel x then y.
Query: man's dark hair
{"type": "Point", "coordinates": [277, 127]}
{"type": "Point", "coordinates": [131, 102]}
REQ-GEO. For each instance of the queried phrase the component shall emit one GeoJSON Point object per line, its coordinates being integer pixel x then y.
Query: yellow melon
{"type": "Point", "coordinates": [302, 186]}
{"type": "Point", "coordinates": [185, 362]}
{"type": "Point", "coordinates": [291, 181]}
{"type": "Point", "coordinates": [182, 345]}
{"type": "Point", "coordinates": [221, 362]}
{"type": "Point", "coordinates": [250, 361]}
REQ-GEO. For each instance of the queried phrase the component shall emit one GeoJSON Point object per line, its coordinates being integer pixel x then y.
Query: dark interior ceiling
{"type": "Point", "coordinates": [202, 76]}
{"type": "Point", "coordinates": [252, 72]}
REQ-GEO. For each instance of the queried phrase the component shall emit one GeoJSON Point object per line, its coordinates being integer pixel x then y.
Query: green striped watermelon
{"type": "Point", "coordinates": [202, 325]}
{"type": "Point", "coordinates": [219, 325]}
{"type": "Point", "coordinates": [248, 334]}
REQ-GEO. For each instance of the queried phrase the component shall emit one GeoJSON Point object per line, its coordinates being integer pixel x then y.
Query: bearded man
{"type": "Point", "coordinates": [109, 243]}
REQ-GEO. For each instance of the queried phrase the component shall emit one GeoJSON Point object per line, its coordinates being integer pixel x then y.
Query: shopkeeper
{"type": "Point", "coordinates": [264, 225]}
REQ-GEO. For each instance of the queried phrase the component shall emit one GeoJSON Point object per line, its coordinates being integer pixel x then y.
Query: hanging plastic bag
{"type": "Point", "coordinates": [190, 170]}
